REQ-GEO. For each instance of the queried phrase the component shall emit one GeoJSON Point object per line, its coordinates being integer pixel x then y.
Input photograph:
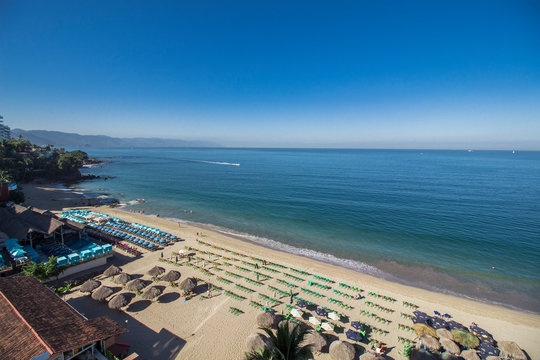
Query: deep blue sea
{"type": "Point", "coordinates": [434, 219]}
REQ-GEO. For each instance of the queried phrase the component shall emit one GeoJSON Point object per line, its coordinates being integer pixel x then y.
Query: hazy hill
{"type": "Point", "coordinates": [62, 139]}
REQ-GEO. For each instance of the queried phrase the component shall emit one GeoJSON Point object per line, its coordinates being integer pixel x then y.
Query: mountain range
{"type": "Point", "coordinates": [63, 139]}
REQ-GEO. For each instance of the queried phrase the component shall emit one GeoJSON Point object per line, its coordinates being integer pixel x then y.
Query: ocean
{"type": "Point", "coordinates": [458, 222]}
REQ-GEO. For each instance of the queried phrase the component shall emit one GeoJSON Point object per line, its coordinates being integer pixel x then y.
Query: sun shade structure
{"type": "Point", "coordinates": [327, 326]}
{"type": "Point", "coordinates": [151, 293]}
{"type": "Point", "coordinates": [429, 342]}
{"type": "Point", "coordinates": [342, 350]}
{"type": "Point", "coordinates": [423, 329]}
{"type": "Point", "coordinates": [171, 276]}
{"type": "Point", "coordinates": [334, 316]}
{"type": "Point", "coordinates": [444, 334]}
{"type": "Point", "coordinates": [266, 319]}
{"type": "Point", "coordinates": [188, 284]}
{"type": "Point", "coordinates": [256, 341]}
{"type": "Point", "coordinates": [122, 278]}
{"type": "Point", "coordinates": [296, 313]}
{"type": "Point", "coordinates": [89, 285]}
{"type": "Point", "coordinates": [469, 355]}
{"type": "Point", "coordinates": [465, 338]}
{"type": "Point", "coordinates": [136, 285]}
{"type": "Point", "coordinates": [511, 349]}
{"type": "Point", "coordinates": [102, 293]}
{"type": "Point", "coordinates": [353, 335]}
{"type": "Point", "coordinates": [156, 271]}
{"type": "Point", "coordinates": [112, 271]}
{"type": "Point", "coordinates": [450, 346]}
{"type": "Point", "coordinates": [315, 341]}
{"type": "Point", "coordinates": [314, 321]}
{"type": "Point", "coordinates": [119, 301]}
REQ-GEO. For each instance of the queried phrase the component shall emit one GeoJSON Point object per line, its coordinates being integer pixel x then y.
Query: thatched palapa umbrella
{"type": "Point", "coordinates": [423, 329]}
{"type": "Point", "coordinates": [444, 334]}
{"type": "Point", "coordinates": [171, 276]}
{"type": "Point", "coordinates": [450, 346]}
{"type": "Point", "coordinates": [156, 271]}
{"type": "Point", "coordinates": [102, 293]}
{"type": "Point", "coordinates": [429, 342]}
{"type": "Point", "coordinates": [511, 349]}
{"type": "Point", "coordinates": [136, 285]}
{"type": "Point", "coordinates": [151, 293]}
{"type": "Point", "coordinates": [119, 301]}
{"type": "Point", "coordinates": [89, 286]}
{"type": "Point", "coordinates": [122, 278]}
{"type": "Point", "coordinates": [470, 355]}
{"type": "Point", "coordinates": [465, 338]}
{"type": "Point", "coordinates": [315, 341]}
{"type": "Point", "coordinates": [112, 271]}
{"type": "Point", "coordinates": [188, 284]}
{"type": "Point", "coordinates": [342, 350]}
{"type": "Point", "coordinates": [370, 356]}
{"type": "Point", "coordinates": [256, 341]}
{"type": "Point", "coordinates": [266, 319]}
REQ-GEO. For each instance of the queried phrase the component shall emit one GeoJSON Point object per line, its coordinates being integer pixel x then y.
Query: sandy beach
{"type": "Point", "coordinates": [202, 328]}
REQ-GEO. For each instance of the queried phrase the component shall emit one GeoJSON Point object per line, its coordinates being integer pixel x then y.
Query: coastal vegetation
{"type": "Point", "coordinates": [284, 344]}
{"type": "Point", "coordinates": [22, 161]}
{"type": "Point", "coordinates": [44, 270]}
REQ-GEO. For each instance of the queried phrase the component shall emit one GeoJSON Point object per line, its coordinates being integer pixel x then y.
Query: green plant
{"type": "Point", "coordinates": [43, 271]}
{"type": "Point", "coordinates": [284, 344]}
{"type": "Point", "coordinates": [63, 289]}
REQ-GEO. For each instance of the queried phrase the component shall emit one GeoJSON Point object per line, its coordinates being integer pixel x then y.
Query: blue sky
{"type": "Point", "coordinates": [433, 74]}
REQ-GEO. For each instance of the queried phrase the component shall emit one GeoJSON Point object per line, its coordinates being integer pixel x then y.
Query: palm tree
{"type": "Point", "coordinates": [284, 345]}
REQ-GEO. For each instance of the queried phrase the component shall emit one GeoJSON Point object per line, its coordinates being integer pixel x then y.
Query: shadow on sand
{"type": "Point", "coordinates": [144, 341]}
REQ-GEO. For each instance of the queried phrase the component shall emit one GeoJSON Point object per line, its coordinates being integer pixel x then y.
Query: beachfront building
{"type": "Point", "coordinates": [5, 133]}
{"type": "Point", "coordinates": [31, 234]}
{"type": "Point", "coordinates": [37, 324]}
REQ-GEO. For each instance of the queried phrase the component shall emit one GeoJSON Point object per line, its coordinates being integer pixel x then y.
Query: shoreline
{"type": "Point", "coordinates": [503, 323]}
{"type": "Point", "coordinates": [315, 255]}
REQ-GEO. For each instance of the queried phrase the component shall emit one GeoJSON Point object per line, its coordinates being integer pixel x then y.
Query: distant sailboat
{"type": "Point", "coordinates": [513, 151]}
{"type": "Point", "coordinates": [469, 150]}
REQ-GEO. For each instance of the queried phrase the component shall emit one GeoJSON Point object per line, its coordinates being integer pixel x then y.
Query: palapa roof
{"type": "Point", "coordinates": [172, 275]}
{"type": "Point", "coordinates": [188, 284]}
{"type": "Point", "coordinates": [315, 341]}
{"type": "Point", "coordinates": [89, 285]}
{"type": "Point", "coordinates": [510, 348]}
{"type": "Point", "coordinates": [17, 221]}
{"type": "Point", "coordinates": [102, 293]}
{"type": "Point", "coordinates": [119, 301]}
{"type": "Point", "coordinates": [35, 321]}
{"type": "Point", "coordinates": [342, 350]}
{"type": "Point", "coordinates": [136, 285]}
{"type": "Point", "coordinates": [156, 271]}
{"type": "Point", "coordinates": [112, 271]}
{"type": "Point", "coordinates": [266, 319]}
{"type": "Point", "coordinates": [151, 293]}
{"type": "Point", "coordinates": [122, 278]}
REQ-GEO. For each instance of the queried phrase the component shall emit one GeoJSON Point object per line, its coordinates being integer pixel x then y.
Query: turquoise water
{"type": "Point", "coordinates": [435, 219]}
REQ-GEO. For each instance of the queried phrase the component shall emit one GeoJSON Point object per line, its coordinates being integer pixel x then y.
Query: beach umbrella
{"type": "Point", "coordinates": [89, 285]}
{"type": "Point", "coordinates": [119, 301]}
{"type": "Point", "coordinates": [112, 271]}
{"type": "Point", "coordinates": [301, 304]}
{"type": "Point", "coordinates": [171, 276]}
{"type": "Point", "coordinates": [421, 329]}
{"type": "Point", "coordinates": [358, 325]}
{"type": "Point", "coordinates": [156, 271]}
{"type": "Point", "coordinates": [256, 341]}
{"type": "Point", "coordinates": [469, 355]}
{"type": "Point", "coordinates": [444, 334]}
{"type": "Point", "coordinates": [465, 338]}
{"type": "Point", "coordinates": [511, 349]}
{"type": "Point", "coordinates": [151, 293]}
{"type": "Point", "coordinates": [136, 285]}
{"type": "Point", "coordinates": [102, 293]}
{"type": "Point", "coordinates": [342, 350]}
{"type": "Point", "coordinates": [327, 326]}
{"type": "Point", "coordinates": [314, 321]}
{"type": "Point", "coordinates": [122, 278]}
{"type": "Point", "coordinates": [266, 319]}
{"type": "Point", "coordinates": [188, 284]}
{"type": "Point", "coordinates": [429, 342]}
{"type": "Point", "coordinates": [353, 335]}
{"type": "Point", "coordinates": [321, 312]}
{"type": "Point", "coordinates": [450, 346]}
{"type": "Point", "coordinates": [296, 313]}
{"type": "Point", "coordinates": [334, 316]}
{"type": "Point", "coordinates": [370, 356]}
{"type": "Point", "coordinates": [315, 341]}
